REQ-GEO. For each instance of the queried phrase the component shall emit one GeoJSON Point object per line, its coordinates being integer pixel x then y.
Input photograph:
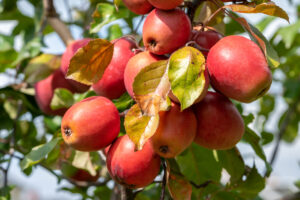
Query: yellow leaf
{"type": "Point", "coordinates": [151, 88]}
{"type": "Point", "coordinates": [89, 63]}
{"type": "Point", "coordinates": [269, 8]}
{"type": "Point", "coordinates": [140, 127]}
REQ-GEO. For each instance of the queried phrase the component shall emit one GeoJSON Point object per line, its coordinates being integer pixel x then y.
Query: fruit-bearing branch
{"type": "Point", "coordinates": [52, 18]}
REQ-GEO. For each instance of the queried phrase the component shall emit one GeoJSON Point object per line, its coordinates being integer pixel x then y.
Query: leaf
{"type": "Point", "coordinates": [106, 13]}
{"type": "Point", "coordinates": [82, 160]}
{"type": "Point", "coordinates": [38, 153]}
{"type": "Point", "coordinates": [233, 162]}
{"type": "Point", "coordinates": [124, 102]}
{"type": "Point", "coordinates": [117, 3]}
{"type": "Point", "coordinates": [178, 186]}
{"type": "Point", "coordinates": [114, 32]}
{"type": "Point", "coordinates": [7, 59]}
{"type": "Point", "coordinates": [289, 34]}
{"type": "Point", "coordinates": [297, 184]}
{"type": "Point", "coordinates": [204, 12]}
{"type": "Point", "coordinates": [252, 185]}
{"type": "Point", "coordinates": [140, 127]}
{"type": "Point", "coordinates": [199, 165]}
{"type": "Point", "coordinates": [89, 62]}
{"type": "Point", "coordinates": [41, 67]}
{"type": "Point", "coordinates": [254, 140]}
{"type": "Point", "coordinates": [268, 8]}
{"type": "Point", "coordinates": [62, 98]}
{"type": "Point", "coordinates": [6, 42]}
{"type": "Point", "coordinates": [186, 75]}
{"type": "Point", "coordinates": [151, 88]}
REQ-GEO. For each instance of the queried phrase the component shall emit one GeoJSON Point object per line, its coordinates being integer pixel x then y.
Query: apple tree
{"type": "Point", "coordinates": [151, 102]}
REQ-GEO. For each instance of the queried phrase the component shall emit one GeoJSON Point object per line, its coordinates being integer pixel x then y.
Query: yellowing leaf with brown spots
{"type": "Point", "coordinates": [151, 88]}
{"type": "Point", "coordinates": [140, 127]}
{"type": "Point", "coordinates": [89, 63]}
{"type": "Point", "coordinates": [268, 8]}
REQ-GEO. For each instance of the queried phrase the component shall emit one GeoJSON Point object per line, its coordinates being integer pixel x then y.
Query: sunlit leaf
{"type": "Point", "coordinates": [62, 98]}
{"type": "Point", "coordinates": [115, 31]}
{"type": "Point", "coordinates": [269, 8]}
{"type": "Point", "coordinates": [82, 160]}
{"type": "Point", "coordinates": [117, 3]}
{"type": "Point", "coordinates": [124, 102]}
{"type": "Point", "coordinates": [89, 63]}
{"type": "Point", "coordinates": [289, 34]}
{"type": "Point", "coordinates": [204, 12]}
{"type": "Point", "coordinates": [186, 75]}
{"type": "Point", "coordinates": [38, 153]}
{"type": "Point", "coordinates": [151, 88]}
{"type": "Point", "coordinates": [179, 187]}
{"type": "Point", "coordinates": [41, 67]}
{"type": "Point", "coordinates": [140, 127]}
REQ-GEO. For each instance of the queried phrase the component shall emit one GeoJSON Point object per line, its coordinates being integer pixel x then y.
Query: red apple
{"type": "Point", "coordinates": [140, 7]}
{"type": "Point", "coordinates": [220, 125]}
{"type": "Point", "coordinates": [133, 169]}
{"type": "Point", "coordinates": [65, 62]}
{"type": "Point", "coordinates": [176, 131]}
{"type": "Point", "coordinates": [135, 65]}
{"type": "Point", "coordinates": [165, 31]}
{"type": "Point", "coordinates": [91, 124]}
{"type": "Point", "coordinates": [111, 84]}
{"type": "Point", "coordinates": [238, 69]}
{"type": "Point", "coordinates": [165, 4]}
{"type": "Point", "coordinates": [44, 91]}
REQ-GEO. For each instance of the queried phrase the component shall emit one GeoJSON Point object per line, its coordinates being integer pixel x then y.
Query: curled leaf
{"type": "Point", "coordinates": [151, 87]}
{"type": "Point", "coordinates": [140, 127]}
{"type": "Point", "coordinates": [89, 63]}
{"type": "Point", "coordinates": [269, 8]}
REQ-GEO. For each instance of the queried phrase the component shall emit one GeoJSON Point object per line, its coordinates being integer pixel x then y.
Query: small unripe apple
{"type": "Point", "coordinates": [220, 125]}
{"type": "Point", "coordinates": [133, 169]}
{"type": "Point", "coordinates": [65, 62]}
{"type": "Point", "coordinates": [165, 4]}
{"type": "Point", "coordinates": [176, 131]}
{"type": "Point", "coordinates": [44, 91]}
{"type": "Point", "coordinates": [140, 7]}
{"type": "Point", "coordinates": [206, 39]}
{"type": "Point", "coordinates": [165, 31]}
{"type": "Point", "coordinates": [238, 69]}
{"type": "Point", "coordinates": [91, 124]}
{"type": "Point", "coordinates": [78, 174]}
{"type": "Point", "coordinates": [135, 65]}
{"type": "Point", "coordinates": [111, 85]}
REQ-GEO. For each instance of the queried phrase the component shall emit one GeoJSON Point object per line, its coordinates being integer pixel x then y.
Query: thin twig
{"type": "Point", "coordinates": [52, 18]}
{"type": "Point", "coordinates": [164, 182]}
{"type": "Point", "coordinates": [203, 185]}
{"type": "Point", "coordinates": [139, 24]}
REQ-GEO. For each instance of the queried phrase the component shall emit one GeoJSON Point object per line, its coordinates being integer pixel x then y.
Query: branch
{"type": "Point", "coordinates": [52, 18]}
{"type": "Point", "coordinates": [292, 109]}
{"type": "Point", "coordinates": [164, 182]}
{"type": "Point", "coordinates": [203, 185]}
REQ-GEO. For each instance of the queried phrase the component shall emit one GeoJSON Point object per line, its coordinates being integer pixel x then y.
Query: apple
{"type": "Point", "coordinates": [220, 125]}
{"type": "Point", "coordinates": [176, 131]}
{"type": "Point", "coordinates": [165, 31]}
{"type": "Point", "coordinates": [238, 69]}
{"type": "Point", "coordinates": [133, 169]}
{"type": "Point", "coordinates": [65, 62]}
{"type": "Point", "coordinates": [44, 91]}
{"type": "Point", "coordinates": [139, 7]}
{"type": "Point", "coordinates": [165, 4]}
{"type": "Point", "coordinates": [91, 124]}
{"type": "Point", "coordinates": [111, 85]}
{"type": "Point", "coordinates": [135, 65]}
{"type": "Point", "coordinates": [78, 174]}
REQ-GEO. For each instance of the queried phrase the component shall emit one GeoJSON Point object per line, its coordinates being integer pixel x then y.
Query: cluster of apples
{"type": "Point", "coordinates": [235, 67]}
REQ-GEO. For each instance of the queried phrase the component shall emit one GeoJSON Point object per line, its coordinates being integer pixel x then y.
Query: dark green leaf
{"type": "Point", "coordinates": [124, 102]}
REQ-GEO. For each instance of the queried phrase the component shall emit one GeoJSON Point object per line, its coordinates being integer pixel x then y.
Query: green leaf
{"type": "Point", "coordinates": [114, 32]}
{"type": "Point", "coordinates": [252, 185]}
{"type": "Point", "coordinates": [289, 33]}
{"type": "Point", "coordinates": [254, 140]}
{"type": "Point", "coordinates": [38, 153]}
{"type": "Point", "coordinates": [151, 88]}
{"type": "Point", "coordinates": [81, 96]}
{"type": "Point", "coordinates": [266, 137]}
{"type": "Point", "coordinates": [186, 75]}
{"type": "Point", "coordinates": [199, 165]}
{"type": "Point", "coordinates": [62, 98]}
{"type": "Point", "coordinates": [82, 160]}
{"type": "Point", "coordinates": [6, 42]}
{"type": "Point", "coordinates": [124, 102]}
{"type": "Point", "coordinates": [271, 54]}
{"type": "Point", "coordinates": [297, 184]}
{"type": "Point", "coordinates": [106, 13]}
{"type": "Point", "coordinates": [263, 24]}
{"type": "Point", "coordinates": [7, 59]}
{"type": "Point", "coordinates": [117, 3]}
{"type": "Point", "coordinates": [232, 161]}
{"type": "Point", "coordinates": [5, 192]}
{"type": "Point", "coordinates": [103, 193]}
